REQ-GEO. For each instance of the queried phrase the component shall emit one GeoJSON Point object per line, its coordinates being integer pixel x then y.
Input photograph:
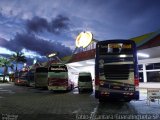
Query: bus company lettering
{"type": "Point", "coordinates": [57, 69]}
{"type": "Point", "coordinates": [127, 46]}
{"type": "Point", "coordinates": [119, 46]}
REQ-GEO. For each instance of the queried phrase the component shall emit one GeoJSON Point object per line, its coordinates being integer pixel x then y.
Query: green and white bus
{"type": "Point", "coordinates": [41, 77]}
{"type": "Point", "coordinates": [30, 78]}
{"type": "Point", "coordinates": [58, 78]}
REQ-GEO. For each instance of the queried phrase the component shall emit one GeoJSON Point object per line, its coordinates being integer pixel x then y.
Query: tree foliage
{"type": "Point", "coordinates": [17, 58]}
{"type": "Point", "coordinates": [5, 64]}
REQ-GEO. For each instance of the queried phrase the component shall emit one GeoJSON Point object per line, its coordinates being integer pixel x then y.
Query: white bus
{"type": "Point", "coordinates": [58, 78]}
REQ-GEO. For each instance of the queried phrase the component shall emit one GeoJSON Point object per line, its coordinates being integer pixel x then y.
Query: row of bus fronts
{"type": "Point", "coordinates": [116, 73]}
{"type": "Point", "coordinates": [53, 78]}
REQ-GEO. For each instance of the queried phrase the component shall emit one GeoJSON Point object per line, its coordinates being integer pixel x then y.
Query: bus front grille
{"type": "Point", "coordinates": [117, 72]}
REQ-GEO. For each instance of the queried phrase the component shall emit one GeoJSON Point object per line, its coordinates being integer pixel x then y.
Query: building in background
{"type": "Point", "coordinates": [147, 44]}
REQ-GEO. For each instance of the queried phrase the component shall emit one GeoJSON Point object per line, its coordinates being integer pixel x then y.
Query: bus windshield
{"type": "Point", "coordinates": [85, 78]}
{"type": "Point", "coordinates": [58, 71]}
{"type": "Point", "coordinates": [116, 60]}
{"type": "Point", "coordinates": [42, 70]}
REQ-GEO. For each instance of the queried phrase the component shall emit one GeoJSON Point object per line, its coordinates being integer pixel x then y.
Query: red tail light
{"type": "Point", "coordinates": [136, 81]}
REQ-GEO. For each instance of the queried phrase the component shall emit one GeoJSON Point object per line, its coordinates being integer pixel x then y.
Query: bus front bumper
{"type": "Point", "coordinates": [118, 96]}
{"type": "Point", "coordinates": [57, 88]}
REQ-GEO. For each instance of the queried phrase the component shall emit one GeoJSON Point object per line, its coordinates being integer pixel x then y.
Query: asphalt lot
{"type": "Point", "coordinates": [26, 103]}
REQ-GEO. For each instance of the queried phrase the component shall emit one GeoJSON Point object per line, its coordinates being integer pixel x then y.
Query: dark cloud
{"type": "Point", "coordinates": [38, 24]}
{"type": "Point", "coordinates": [134, 9]}
{"type": "Point", "coordinates": [31, 42]}
{"type": "Point", "coordinates": [106, 19]}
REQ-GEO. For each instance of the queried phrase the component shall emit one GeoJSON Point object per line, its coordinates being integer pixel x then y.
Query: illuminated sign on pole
{"type": "Point", "coordinates": [84, 39]}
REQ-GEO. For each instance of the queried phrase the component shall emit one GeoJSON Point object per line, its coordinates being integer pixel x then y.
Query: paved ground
{"type": "Point", "coordinates": [26, 103]}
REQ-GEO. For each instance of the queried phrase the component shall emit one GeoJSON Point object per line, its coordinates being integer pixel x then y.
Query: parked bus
{"type": "Point", "coordinates": [41, 77]}
{"type": "Point", "coordinates": [21, 78]}
{"type": "Point", "coordinates": [116, 71]}
{"type": "Point", "coordinates": [58, 78]}
{"type": "Point", "coordinates": [30, 77]}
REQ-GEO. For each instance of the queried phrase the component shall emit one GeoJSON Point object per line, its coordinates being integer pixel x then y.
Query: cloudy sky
{"type": "Point", "coordinates": [38, 27]}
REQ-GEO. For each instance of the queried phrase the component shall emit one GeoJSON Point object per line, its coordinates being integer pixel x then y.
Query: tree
{"type": "Point", "coordinates": [17, 58]}
{"type": "Point", "coordinates": [5, 63]}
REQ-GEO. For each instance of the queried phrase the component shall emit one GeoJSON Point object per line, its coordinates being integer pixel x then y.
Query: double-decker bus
{"type": "Point", "coordinates": [58, 78]}
{"type": "Point", "coordinates": [41, 77]}
{"type": "Point", "coordinates": [116, 71]}
{"type": "Point", "coordinates": [22, 78]}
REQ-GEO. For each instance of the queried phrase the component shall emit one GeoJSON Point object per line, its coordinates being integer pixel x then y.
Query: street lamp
{"type": "Point", "coordinates": [52, 55]}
